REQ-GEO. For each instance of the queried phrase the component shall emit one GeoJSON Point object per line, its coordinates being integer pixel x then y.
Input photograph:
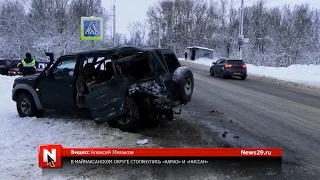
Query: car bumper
{"type": "Point", "coordinates": [235, 72]}
{"type": "Point", "coordinates": [14, 73]}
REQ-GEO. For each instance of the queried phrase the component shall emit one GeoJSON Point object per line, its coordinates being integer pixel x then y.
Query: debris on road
{"type": "Point", "coordinates": [237, 137]}
{"type": "Point", "coordinates": [213, 111]}
{"type": "Point", "coordinates": [142, 142]}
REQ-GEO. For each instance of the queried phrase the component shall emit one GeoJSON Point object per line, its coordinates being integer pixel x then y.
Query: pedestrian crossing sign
{"type": "Point", "coordinates": [91, 28]}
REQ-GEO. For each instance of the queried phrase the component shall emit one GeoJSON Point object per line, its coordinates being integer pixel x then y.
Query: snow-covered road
{"type": "Point", "coordinates": [20, 137]}
{"type": "Point", "coordinates": [201, 124]}
{"type": "Point", "coordinates": [303, 74]}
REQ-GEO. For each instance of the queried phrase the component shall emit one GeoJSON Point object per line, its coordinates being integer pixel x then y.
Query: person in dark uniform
{"type": "Point", "coordinates": [27, 66]}
{"type": "Point", "coordinates": [185, 55]}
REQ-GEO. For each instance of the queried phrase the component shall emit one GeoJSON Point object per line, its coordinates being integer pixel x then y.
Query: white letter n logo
{"type": "Point", "coordinates": [50, 157]}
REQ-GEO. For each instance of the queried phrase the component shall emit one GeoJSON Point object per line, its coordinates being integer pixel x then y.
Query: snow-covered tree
{"type": "Point", "coordinates": [278, 36]}
{"type": "Point", "coordinates": [37, 26]}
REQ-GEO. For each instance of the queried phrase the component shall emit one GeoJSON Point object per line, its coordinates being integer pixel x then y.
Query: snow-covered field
{"type": "Point", "coordinates": [304, 74]}
{"type": "Point", "coordinates": [20, 138]}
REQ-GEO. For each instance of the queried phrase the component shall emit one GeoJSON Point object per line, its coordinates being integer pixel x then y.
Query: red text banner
{"type": "Point", "coordinates": [50, 156]}
{"type": "Point", "coordinates": [172, 152]}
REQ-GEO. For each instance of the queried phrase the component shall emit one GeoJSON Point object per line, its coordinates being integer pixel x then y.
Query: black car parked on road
{"type": "Point", "coordinates": [6, 65]}
{"type": "Point", "coordinates": [229, 67]}
{"type": "Point", "coordinates": [15, 68]}
{"type": "Point", "coordinates": [118, 85]}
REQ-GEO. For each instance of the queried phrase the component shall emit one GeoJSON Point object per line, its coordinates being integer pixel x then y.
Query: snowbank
{"type": "Point", "coordinates": [203, 61]}
{"type": "Point", "coordinates": [304, 74]}
{"type": "Point", "coordinates": [20, 138]}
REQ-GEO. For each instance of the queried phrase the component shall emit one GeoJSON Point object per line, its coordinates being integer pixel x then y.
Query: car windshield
{"type": "Point", "coordinates": [235, 61]}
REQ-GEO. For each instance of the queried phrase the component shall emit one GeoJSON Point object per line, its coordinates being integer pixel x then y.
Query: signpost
{"type": "Point", "coordinates": [91, 29]}
{"type": "Point", "coordinates": [241, 37]}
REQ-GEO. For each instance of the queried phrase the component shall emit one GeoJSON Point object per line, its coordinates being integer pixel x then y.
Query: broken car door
{"type": "Point", "coordinates": [106, 98]}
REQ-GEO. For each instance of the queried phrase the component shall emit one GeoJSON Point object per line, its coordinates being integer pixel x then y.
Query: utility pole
{"type": "Point", "coordinates": [241, 37]}
{"type": "Point", "coordinates": [111, 26]}
{"type": "Point", "coordinates": [92, 15]}
{"type": "Point", "coordinates": [114, 23]}
{"type": "Point", "coordinates": [159, 31]}
{"type": "Point", "coordinates": [159, 38]}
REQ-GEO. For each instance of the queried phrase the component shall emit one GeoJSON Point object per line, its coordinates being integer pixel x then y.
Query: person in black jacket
{"type": "Point", "coordinates": [185, 55]}
{"type": "Point", "coordinates": [27, 66]}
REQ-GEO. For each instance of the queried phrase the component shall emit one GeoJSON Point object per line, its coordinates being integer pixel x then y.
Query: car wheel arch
{"type": "Point", "coordinates": [23, 88]}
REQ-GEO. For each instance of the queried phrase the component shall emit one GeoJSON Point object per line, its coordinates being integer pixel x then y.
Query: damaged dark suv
{"type": "Point", "coordinates": [120, 85]}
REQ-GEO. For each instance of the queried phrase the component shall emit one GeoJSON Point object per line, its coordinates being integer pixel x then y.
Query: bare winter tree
{"type": "Point", "coordinates": [137, 34]}
{"type": "Point", "coordinates": [37, 26]}
{"type": "Point", "coordinates": [13, 29]}
{"type": "Point", "coordinates": [278, 36]}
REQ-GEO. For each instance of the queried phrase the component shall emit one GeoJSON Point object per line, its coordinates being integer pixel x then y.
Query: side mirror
{"type": "Point", "coordinates": [71, 73]}
{"type": "Point", "coordinates": [214, 63]}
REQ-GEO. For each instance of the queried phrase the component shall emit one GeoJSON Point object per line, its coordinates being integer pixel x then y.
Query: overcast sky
{"type": "Point", "coordinates": [135, 10]}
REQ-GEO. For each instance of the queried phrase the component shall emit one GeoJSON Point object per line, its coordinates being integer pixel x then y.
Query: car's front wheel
{"type": "Point", "coordinates": [211, 72]}
{"type": "Point", "coordinates": [26, 106]}
{"type": "Point", "coordinates": [130, 120]}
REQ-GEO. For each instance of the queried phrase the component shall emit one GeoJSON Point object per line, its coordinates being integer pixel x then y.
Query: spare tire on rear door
{"type": "Point", "coordinates": [183, 83]}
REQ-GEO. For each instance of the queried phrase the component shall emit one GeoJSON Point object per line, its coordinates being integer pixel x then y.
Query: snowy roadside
{"type": "Point", "coordinates": [303, 74]}
{"type": "Point", "coordinates": [20, 137]}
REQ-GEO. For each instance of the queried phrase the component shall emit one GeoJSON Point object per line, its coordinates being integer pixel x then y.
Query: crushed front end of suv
{"type": "Point", "coordinates": [121, 86]}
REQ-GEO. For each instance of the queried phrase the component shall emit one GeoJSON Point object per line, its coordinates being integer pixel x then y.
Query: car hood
{"type": "Point", "coordinates": [29, 77]}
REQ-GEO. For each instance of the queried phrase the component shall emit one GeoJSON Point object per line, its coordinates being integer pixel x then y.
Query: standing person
{"type": "Point", "coordinates": [27, 66]}
{"type": "Point", "coordinates": [185, 54]}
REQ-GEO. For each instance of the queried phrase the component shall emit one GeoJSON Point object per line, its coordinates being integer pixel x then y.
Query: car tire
{"type": "Point", "coordinates": [211, 72]}
{"type": "Point", "coordinates": [222, 76]}
{"type": "Point", "coordinates": [183, 83]}
{"type": "Point", "coordinates": [26, 106]}
{"type": "Point", "coordinates": [243, 77]}
{"type": "Point", "coordinates": [130, 120]}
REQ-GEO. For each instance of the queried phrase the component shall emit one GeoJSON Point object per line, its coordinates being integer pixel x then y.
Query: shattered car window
{"type": "Point", "coordinates": [97, 69]}
{"type": "Point", "coordinates": [88, 60]}
{"type": "Point", "coordinates": [102, 66]}
{"type": "Point", "coordinates": [135, 67]}
{"type": "Point", "coordinates": [171, 62]}
{"type": "Point", "coordinates": [96, 60]}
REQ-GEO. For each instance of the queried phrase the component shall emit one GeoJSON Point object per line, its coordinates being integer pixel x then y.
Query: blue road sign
{"type": "Point", "coordinates": [91, 28]}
